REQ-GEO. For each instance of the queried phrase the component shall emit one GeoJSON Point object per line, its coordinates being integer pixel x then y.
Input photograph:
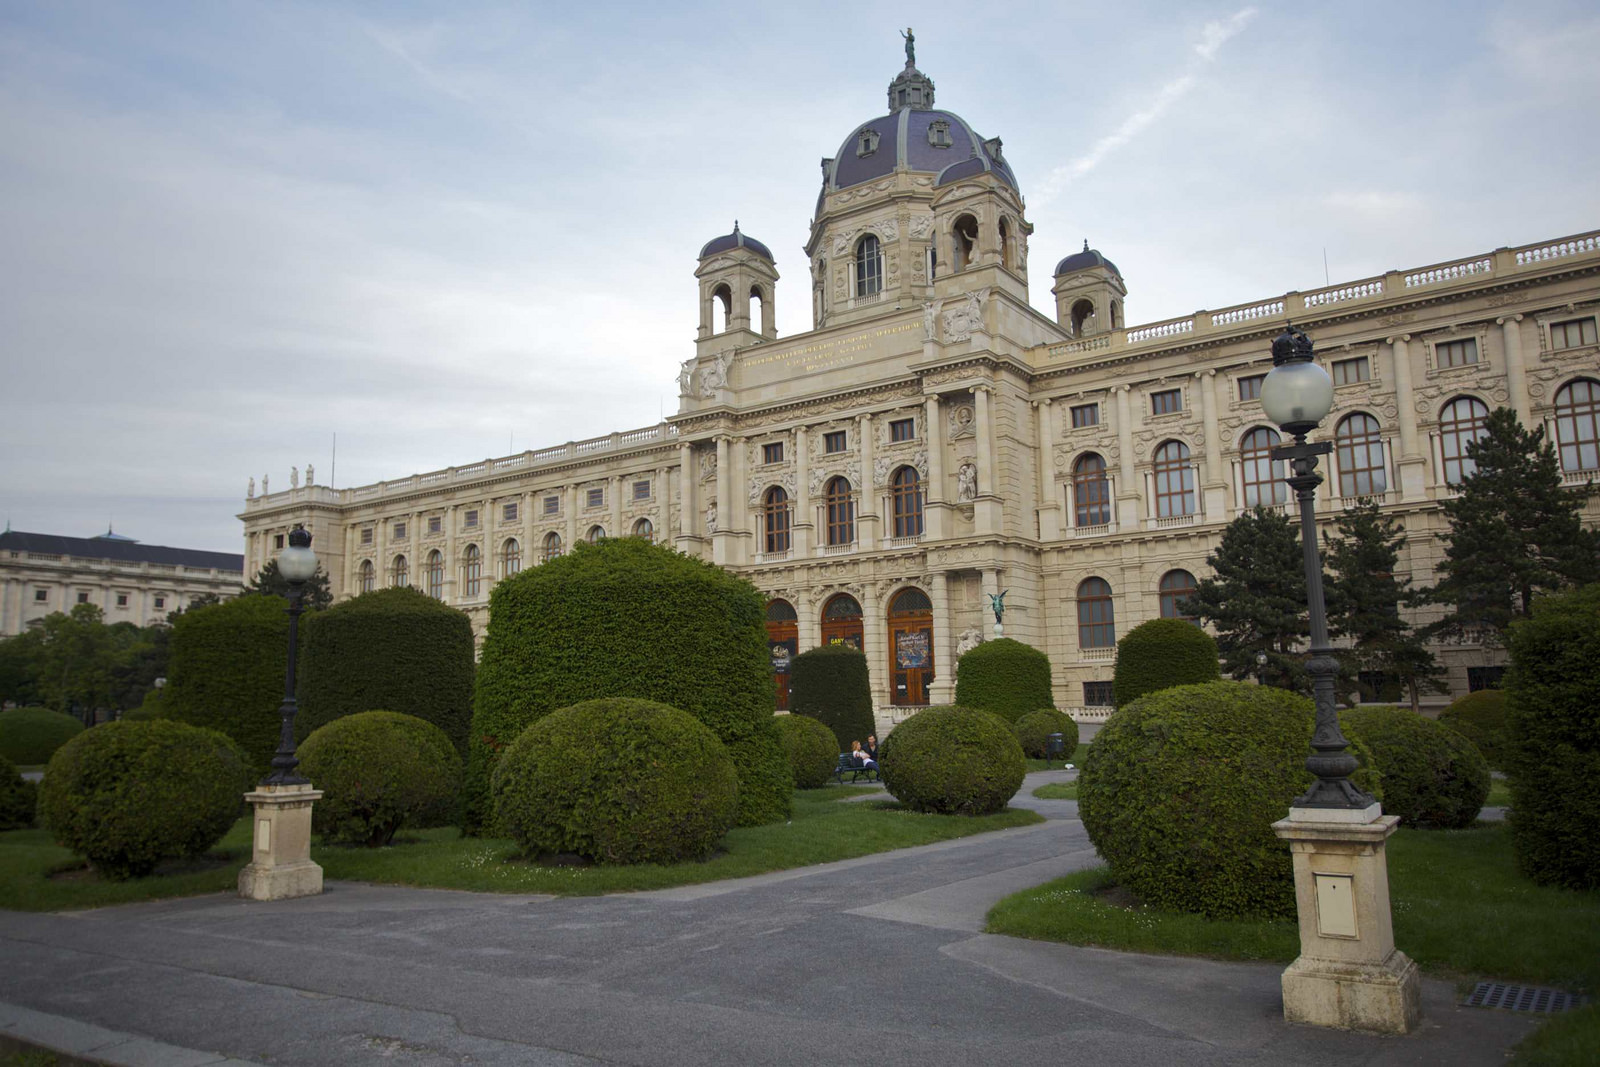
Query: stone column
{"type": "Point", "coordinates": [874, 644]}
{"type": "Point", "coordinates": [986, 509]}
{"type": "Point", "coordinates": [382, 556]}
{"type": "Point", "coordinates": [452, 565]}
{"type": "Point", "coordinates": [942, 691]}
{"type": "Point", "coordinates": [801, 523]}
{"type": "Point", "coordinates": [1516, 369]}
{"type": "Point", "coordinates": [936, 510]}
{"type": "Point", "coordinates": [1413, 464]}
{"type": "Point", "coordinates": [1128, 495]}
{"type": "Point", "coordinates": [530, 500]}
{"type": "Point", "coordinates": [725, 512]}
{"type": "Point", "coordinates": [614, 491]}
{"type": "Point", "coordinates": [810, 625]}
{"type": "Point", "coordinates": [686, 505]}
{"type": "Point", "coordinates": [1214, 481]}
{"type": "Point", "coordinates": [572, 517]}
{"type": "Point", "coordinates": [351, 564]}
{"type": "Point", "coordinates": [662, 488]}
{"type": "Point", "coordinates": [1044, 452]}
{"type": "Point", "coordinates": [867, 529]}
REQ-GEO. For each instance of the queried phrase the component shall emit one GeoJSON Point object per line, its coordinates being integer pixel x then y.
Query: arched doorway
{"type": "Point", "coordinates": [841, 621]}
{"type": "Point", "coordinates": [910, 647]}
{"type": "Point", "coordinates": [783, 641]}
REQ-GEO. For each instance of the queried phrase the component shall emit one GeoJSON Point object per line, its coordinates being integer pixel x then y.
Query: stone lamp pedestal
{"type": "Point", "coordinates": [280, 866]}
{"type": "Point", "coordinates": [1349, 975]}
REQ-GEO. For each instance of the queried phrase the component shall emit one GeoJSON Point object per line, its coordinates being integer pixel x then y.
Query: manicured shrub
{"type": "Point", "coordinates": [151, 707]}
{"type": "Point", "coordinates": [812, 749]}
{"type": "Point", "coordinates": [617, 781]}
{"type": "Point", "coordinates": [953, 761]}
{"type": "Point", "coordinates": [1160, 654]}
{"type": "Point", "coordinates": [128, 795]}
{"type": "Point", "coordinates": [226, 671]}
{"type": "Point", "coordinates": [398, 649]}
{"type": "Point", "coordinates": [379, 770]}
{"type": "Point", "coordinates": [1005, 677]}
{"type": "Point", "coordinates": [1033, 732]}
{"type": "Point", "coordinates": [1180, 790]}
{"type": "Point", "coordinates": [1433, 777]}
{"type": "Point", "coordinates": [32, 735]}
{"type": "Point", "coordinates": [1554, 728]}
{"type": "Point", "coordinates": [627, 618]}
{"type": "Point", "coordinates": [830, 684]}
{"type": "Point", "coordinates": [18, 798]}
{"type": "Point", "coordinates": [1481, 718]}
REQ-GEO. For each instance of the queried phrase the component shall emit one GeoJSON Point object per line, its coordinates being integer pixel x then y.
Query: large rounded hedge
{"type": "Point", "coordinates": [1433, 777]}
{"type": "Point", "coordinates": [398, 649]}
{"type": "Point", "coordinates": [627, 618]}
{"type": "Point", "coordinates": [1481, 718]}
{"type": "Point", "coordinates": [18, 798]}
{"type": "Point", "coordinates": [1033, 732]}
{"type": "Point", "coordinates": [830, 684]}
{"type": "Point", "coordinates": [32, 735]}
{"type": "Point", "coordinates": [953, 761]}
{"type": "Point", "coordinates": [812, 749]}
{"type": "Point", "coordinates": [1160, 654]}
{"type": "Point", "coordinates": [1180, 790]}
{"type": "Point", "coordinates": [1554, 727]}
{"type": "Point", "coordinates": [226, 669]}
{"type": "Point", "coordinates": [128, 795]}
{"type": "Point", "coordinates": [617, 781]}
{"type": "Point", "coordinates": [1004, 677]}
{"type": "Point", "coordinates": [379, 770]}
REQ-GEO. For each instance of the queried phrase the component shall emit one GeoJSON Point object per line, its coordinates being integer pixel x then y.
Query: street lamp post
{"type": "Point", "coordinates": [297, 564]}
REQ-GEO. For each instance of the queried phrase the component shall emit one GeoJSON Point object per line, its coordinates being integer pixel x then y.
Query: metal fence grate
{"type": "Point", "coordinates": [1522, 998]}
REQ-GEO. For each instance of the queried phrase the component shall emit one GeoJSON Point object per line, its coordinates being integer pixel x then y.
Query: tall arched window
{"type": "Point", "coordinates": [841, 621]}
{"type": "Point", "coordinates": [869, 266]}
{"type": "Point", "coordinates": [1263, 478]}
{"type": "Point", "coordinates": [905, 490]}
{"type": "Point", "coordinates": [510, 557]}
{"type": "Point", "coordinates": [783, 643]}
{"type": "Point", "coordinates": [471, 571]}
{"type": "Point", "coordinates": [775, 520]}
{"type": "Point", "coordinates": [1174, 480]}
{"type": "Point", "coordinates": [369, 576]}
{"type": "Point", "coordinates": [1091, 491]}
{"type": "Point", "coordinates": [1578, 425]}
{"type": "Point", "coordinates": [597, 534]}
{"type": "Point", "coordinates": [1006, 258]}
{"type": "Point", "coordinates": [1460, 424]}
{"type": "Point", "coordinates": [400, 573]}
{"type": "Point", "coordinates": [433, 574]}
{"type": "Point", "coordinates": [1359, 452]}
{"type": "Point", "coordinates": [1176, 587]}
{"type": "Point", "coordinates": [645, 528]}
{"type": "Point", "coordinates": [722, 296]}
{"type": "Point", "coordinates": [1082, 317]}
{"type": "Point", "coordinates": [551, 547]}
{"type": "Point", "coordinates": [841, 505]}
{"type": "Point", "coordinates": [1097, 624]}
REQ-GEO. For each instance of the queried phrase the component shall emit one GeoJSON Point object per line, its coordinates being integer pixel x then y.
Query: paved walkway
{"type": "Point", "coordinates": [879, 958]}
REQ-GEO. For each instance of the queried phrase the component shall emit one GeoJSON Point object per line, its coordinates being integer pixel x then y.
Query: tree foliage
{"type": "Point", "coordinates": [1159, 654]}
{"type": "Point", "coordinates": [1255, 599]}
{"type": "Point", "coordinates": [829, 683]}
{"type": "Point", "coordinates": [75, 663]}
{"type": "Point", "coordinates": [269, 581]}
{"type": "Point", "coordinates": [1004, 677]}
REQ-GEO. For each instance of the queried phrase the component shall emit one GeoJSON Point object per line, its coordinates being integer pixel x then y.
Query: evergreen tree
{"type": "Point", "coordinates": [1256, 600]}
{"type": "Point", "coordinates": [269, 582]}
{"type": "Point", "coordinates": [1514, 532]}
{"type": "Point", "coordinates": [1365, 597]}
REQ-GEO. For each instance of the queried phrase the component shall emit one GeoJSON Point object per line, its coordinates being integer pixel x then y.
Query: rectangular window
{"type": "Point", "coordinates": [1349, 371]}
{"type": "Point", "coordinates": [1097, 694]}
{"type": "Point", "coordinates": [1484, 678]}
{"type": "Point", "coordinates": [366, 536]}
{"type": "Point", "coordinates": [597, 498]}
{"type": "Point", "coordinates": [833, 442]}
{"type": "Point", "coordinates": [399, 531]}
{"type": "Point", "coordinates": [122, 600]}
{"type": "Point", "coordinates": [641, 490]}
{"type": "Point", "coordinates": [1166, 402]}
{"type": "Point", "coordinates": [83, 598]}
{"type": "Point", "coordinates": [277, 540]}
{"type": "Point", "coordinates": [1572, 334]}
{"type": "Point", "coordinates": [435, 524]}
{"type": "Point", "coordinates": [1085, 415]}
{"type": "Point", "coordinates": [903, 430]}
{"type": "Point", "coordinates": [552, 505]}
{"type": "Point", "coordinates": [772, 453]}
{"type": "Point", "coordinates": [1457, 353]}
{"type": "Point", "coordinates": [508, 512]}
{"type": "Point", "coordinates": [1250, 388]}
{"type": "Point", "coordinates": [472, 518]}
{"type": "Point", "coordinates": [40, 596]}
{"type": "Point", "coordinates": [161, 602]}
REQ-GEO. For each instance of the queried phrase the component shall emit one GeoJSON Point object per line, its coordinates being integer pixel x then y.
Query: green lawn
{"type": "Point", "coordinates": [821, 830]}
{"type": "Point", "coordinates": [1571, 1039]}
{"type": "Point", "coordinates": [1499, 794]}
{"type": "Point", "coordinates": [1057, 791]}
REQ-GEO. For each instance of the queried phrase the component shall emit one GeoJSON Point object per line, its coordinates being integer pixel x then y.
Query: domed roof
{"type": "Point", "coordinates": [936, 142]}
{"type": "Point", "coordinates": [1089, 257]}
{"type": "Point", "coordinates": [729, 241]}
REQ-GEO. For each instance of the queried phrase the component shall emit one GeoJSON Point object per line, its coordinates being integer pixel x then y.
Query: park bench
{"type": "Point", "coordinates": [847, 764]}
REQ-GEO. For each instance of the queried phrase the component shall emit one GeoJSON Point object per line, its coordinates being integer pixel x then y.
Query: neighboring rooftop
{"type": "Point", "coordinates": [120, 549]}
{"type": "Point", "coordinates": [729, 241]}
{"type": "Point", "coordinates": [1089, 257]}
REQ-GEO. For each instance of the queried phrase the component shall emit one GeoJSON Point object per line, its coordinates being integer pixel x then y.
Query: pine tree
{"type": "Point", "coordinates": [270, 582]}
{"type": "Point", "coordinates": [1256, 600]}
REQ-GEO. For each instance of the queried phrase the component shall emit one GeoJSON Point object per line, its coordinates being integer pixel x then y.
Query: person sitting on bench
{"type": "Point", "coordinates": [871, 748]}
{"type": "Point", "coordinates": [861, 757]}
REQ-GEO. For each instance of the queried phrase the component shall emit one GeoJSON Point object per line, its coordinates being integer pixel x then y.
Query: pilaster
{"type": "Point", "coordinates": [1127, 484]}
{"type": "Point", "coordinates": [801, 526]}
{"type": "Point", "coordinates": [942, 689]}
{"type": "Point", "coordinates": [1049, 504]}
{"type": "Point", "coordinates": [1412, 464]}
{"type": "Point", "coordinates": [936, 510]}
{"type": "Point", "coordinates": [1516, 369]}
{"type": "Point", "coordinates": [869, 500]}
{"type": "Point", "coordinates": [1213, 481]}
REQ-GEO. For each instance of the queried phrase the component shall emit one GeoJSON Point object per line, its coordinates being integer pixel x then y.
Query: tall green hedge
{"type": "Point", "coordinates": [32, 735]}
{"type": "Point", "coordinates": [830, 685]}
{"type": "Point", "coordinates": [1160, 654]}
{"type": "Point", "coordinates": [627, 618]}
{"type": "Point", "coordinates": [1554, 725]}
{"type": "Point", "coordinates": [1005, 677]}
{"type": "Point", "coordinates": [1481, 718]}
{"type": "Point", "coordinates": [226, 671]}
{"type": "Point", "coordinates": [18, 798]}
{"type": "Point", "coordinates": [1433, 777]}
{"type": "Point", "coordinates": [396, 649]}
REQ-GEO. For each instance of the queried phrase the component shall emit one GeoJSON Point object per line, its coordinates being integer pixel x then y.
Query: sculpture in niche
{"type": "Point", "coordinates": [930, 325]}
{"type": "Point", "coordinates": [294, 477]}
{"type": "Point", "coordinates": [711, 517]}
{"type": "Point", "coordinates": [967, 483]}
{"type": "Point", "coordinates": [961, 322]}
{"type": "Point", "coordinates": [962, 422]}
{"type": "Point", "coordinates": [250, 492]}
{"type": "Point", "coordinates": [971, 638]}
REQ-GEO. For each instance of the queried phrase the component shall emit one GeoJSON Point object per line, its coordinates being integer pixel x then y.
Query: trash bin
{"type": "Point", "coordinates": [1055, 748]}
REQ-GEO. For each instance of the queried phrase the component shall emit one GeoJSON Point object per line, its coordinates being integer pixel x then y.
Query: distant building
{"type": "Point", "coordinates": [129, 581]}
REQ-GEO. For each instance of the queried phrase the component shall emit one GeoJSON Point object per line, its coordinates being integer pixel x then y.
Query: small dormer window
{"type": "Point", "coordinates": [868, 143]}
{"type": "Point", "coordinates": [993, 145]}
{"type": "Point", "coordinates": [939, 134]}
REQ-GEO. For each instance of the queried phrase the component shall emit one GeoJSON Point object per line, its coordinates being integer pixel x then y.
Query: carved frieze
{"type": "Point", "coordinates": [965, 319]}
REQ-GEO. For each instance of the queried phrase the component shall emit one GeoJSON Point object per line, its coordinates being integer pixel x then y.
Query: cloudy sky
{"type": "Point", "coordinates": [230, 230]}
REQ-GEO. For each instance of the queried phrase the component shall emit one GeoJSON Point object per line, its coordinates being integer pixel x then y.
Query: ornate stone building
{"type": "Point", "coordinates": [935, 439]}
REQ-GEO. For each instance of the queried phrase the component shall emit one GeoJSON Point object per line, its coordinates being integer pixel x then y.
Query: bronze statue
{"type": "Point", "coordinates": [997, 602]}
{"type": "Point", "coordinates": [911, 47]}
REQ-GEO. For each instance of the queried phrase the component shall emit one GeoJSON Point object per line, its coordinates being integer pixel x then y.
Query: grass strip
{"type": "Point", "coordinates": [1057, 791]}
{"type": "Point", "coordinates": [1571, 1039]}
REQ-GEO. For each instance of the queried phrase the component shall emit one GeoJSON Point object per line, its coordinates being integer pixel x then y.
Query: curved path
{"type": "Point", "coordinates": [879, 959]}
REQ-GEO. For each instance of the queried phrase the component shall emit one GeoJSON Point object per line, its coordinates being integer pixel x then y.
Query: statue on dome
{"type": "Point", "coordinates": [911, 47]}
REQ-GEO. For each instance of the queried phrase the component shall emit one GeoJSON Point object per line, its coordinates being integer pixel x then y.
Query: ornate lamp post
{"type": "Point", "coordinates": [297, 564]}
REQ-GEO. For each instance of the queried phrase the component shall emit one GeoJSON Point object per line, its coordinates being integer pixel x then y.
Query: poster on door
{"type": "Point", "coordinates": [782, 653]}
{"type": "Point", "coordinates": [911, 650]}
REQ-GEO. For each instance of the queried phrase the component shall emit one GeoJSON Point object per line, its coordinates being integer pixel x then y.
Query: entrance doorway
{"type": "Point", "coordinates": [783, 641]}
{"type": "Point", "coordinates": [841, 621]}
{"type": "Point", "coordinates": [910, 648]}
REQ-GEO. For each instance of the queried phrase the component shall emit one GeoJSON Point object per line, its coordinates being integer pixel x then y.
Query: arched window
{"type": "Point", "coordinates": [433, 574]}
{"type": "Point", "coordinates": [1578, 425]}
{"type": "Point", "coordinates": [1174, 480]}
{"type": "Point", "coordinates": [723, 296]}
{"type": "Point", "coordinates": [964, 241]}
{"type": "Point", "coordinates": [1359, 452]}
{"type": "Point", "coordinates": [510, 558]}
{"type": "Point", "coordinates": [841, 621]}
{"type": "Point", "coordinates": [1082, 317]}
{"type": "Point", "coordinates": [471, 571]}
{"type": "Point", "coordinates": [783, 643]}
{"type": "Point", "coordinates": [775, 520]}
{"type": "Point", "coordinates": [645, 528]}
{"type": "Point", "coordinates": [869, 266]}
{"type": "Point", "coordinates": [841, 505]}
{"type": "Point", "coordinates": [597, 534]}
{"type": "Point", "coordinates": [1091, 491]}
{"type": "Point", "coordinates": [905, 490]}
{"type": "Point", "coordinates": [551, 547]}
{"type": "Point", "coordinates": [1005, 246]}
{"type": "Point", "coordinates": [369, 576]}
{"type": "Point", "coordinates": [1176, 586]}
{"type": "Point", "coordinates": [753, 309]}
{"type": "Point", "coordinates": [1460, 424]}
{"type": "Point", "coordinates": [1097, 624]}
{"type": "Point", "coordinates": [1263, 477]}
{"type": "Point", "coordinates": [400, 573]}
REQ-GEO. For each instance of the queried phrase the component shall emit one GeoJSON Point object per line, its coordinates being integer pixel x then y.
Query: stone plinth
{"type": "Point", "coordinates": [280, 864]}
{"type": "Point", "coordinates": [1349, 975]}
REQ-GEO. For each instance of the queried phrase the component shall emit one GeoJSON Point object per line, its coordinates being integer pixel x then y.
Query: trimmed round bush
{"type": "Point", "coordinates": [398, 649]}
{"type": "Point", "coordinates": [18, 798]}
{"type": "Point", "coordinates": [1160, 654]}
{"type": "Point", "coordinates": [627, 618]}
{"type": "Point", "coordinates": [1005, 677]}
{"type": "Point", "coordinates": [1433, 777]}
{"type": "Point", "coordinates": [812, 748]}
{"type": "Point", "coordinates": [952, 761]}
{"type": "Point", "coordinates": [830, 684]}
{"type": "Point", "coordinates": [1033, 732]}
{"type": "Point", "coordinates": [1180, 790]}
{"type": "Point", "coordinates": [32, 735]}
{"type": "Point", "coordinates": [128, 795]}
{"type": "Point", "coordinates": [617, 781]}
{"type": "Point", "coordinates": [151, 707]}
{"type": "Point", "coordinates": [1481, 718]}
{"type": "Point", "coordinates": [379, 770]}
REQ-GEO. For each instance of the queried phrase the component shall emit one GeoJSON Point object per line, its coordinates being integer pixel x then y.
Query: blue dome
{"type": "Point", "coordinates": [1084, 260]}
{"type": "Point", "coordinates": [729, 241]}
{"type": "Point", "coordinates": [934, 142]}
